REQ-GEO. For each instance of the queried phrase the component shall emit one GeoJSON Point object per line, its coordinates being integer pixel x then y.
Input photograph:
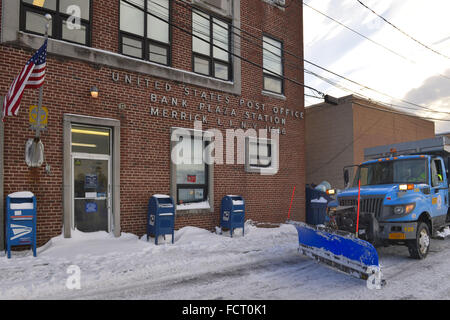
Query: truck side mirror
{"type": "Point", "coordinates": [346, 177]}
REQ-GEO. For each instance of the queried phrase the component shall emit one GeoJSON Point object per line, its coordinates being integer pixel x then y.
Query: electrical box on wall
{"type": "Point", "coordinates": [34, 153]}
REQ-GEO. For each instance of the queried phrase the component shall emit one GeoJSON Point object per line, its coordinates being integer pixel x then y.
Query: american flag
{"type": "Point", "coordinates": [32, 76]}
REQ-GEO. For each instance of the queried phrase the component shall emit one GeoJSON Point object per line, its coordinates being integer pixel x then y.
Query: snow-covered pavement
{"type": "Point", "coordinates": [264, 264]}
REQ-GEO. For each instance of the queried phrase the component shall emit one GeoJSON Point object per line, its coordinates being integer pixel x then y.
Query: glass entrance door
{"type": "Point", "coordinates": [91, 178]}
{"type": "Point", "coordinates": [91, 194]}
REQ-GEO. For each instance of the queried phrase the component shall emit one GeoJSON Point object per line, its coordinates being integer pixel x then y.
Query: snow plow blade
{"type": "Point", "coordinates": [339, 250]}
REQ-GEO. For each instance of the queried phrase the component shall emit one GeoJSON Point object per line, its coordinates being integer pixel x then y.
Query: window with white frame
{"type": "Point", "coordinates": [261, 155]}
{"type": "Point", "coordinates": [273, 65]}
{"type": "Point", "coordinates": [145, 30]}
{"type": "Point", "coordinates": [191, 169]}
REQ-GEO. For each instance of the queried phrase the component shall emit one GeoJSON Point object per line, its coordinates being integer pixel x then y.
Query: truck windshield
{"type": "Point", "coordinates": [392, 172]}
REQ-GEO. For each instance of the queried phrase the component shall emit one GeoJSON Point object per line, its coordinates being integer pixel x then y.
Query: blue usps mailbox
{"type": "Point", "coordinates": [232, 213]}
{"type": "Point", "coordinates": [20, 221]}
{"type": "Point", "coordinates": [160, 217]}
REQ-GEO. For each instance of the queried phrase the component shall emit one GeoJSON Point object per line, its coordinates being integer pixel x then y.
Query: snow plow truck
{"type": "Point", "coordinates": [398, 196]}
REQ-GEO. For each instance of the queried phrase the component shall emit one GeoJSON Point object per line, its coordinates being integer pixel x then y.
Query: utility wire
{"type": "Point", "coordinates": [283, 58]}
{"type": "Point", "coordinates": [307, 71]}
{"type": "Point", "coordinates": [367, 38]}
{"type": "Point", "coordinates": [377, 91]}
{"type": "Point", "coordinates": [221, 48]}
{"type": "Point", "coordinates": [207, 35]}
{"type": "Point", "coordinates": [358, 33]}
{"type": "Point", "coordinates": [400, 30]}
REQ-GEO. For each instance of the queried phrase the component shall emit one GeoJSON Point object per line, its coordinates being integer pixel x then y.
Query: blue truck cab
{"type": "Point", "coordinates": [403, 194]}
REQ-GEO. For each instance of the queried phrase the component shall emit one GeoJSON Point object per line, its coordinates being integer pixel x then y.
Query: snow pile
{"type": "Point", "coordinates": [444, 233]}
{"type": "Point", "coordinates": [21, 194]}
{"type": "Point", "coordinates": [263, 264]}
{"type": "Point", "coordinates": [193, 205]}
{"type": "Point", "coordinates": [108, 264]}
{"type": "Point", "coordinates": [321, 200]}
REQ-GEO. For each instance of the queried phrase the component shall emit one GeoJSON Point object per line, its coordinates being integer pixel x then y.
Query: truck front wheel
{"type": "Point", "coordinates": [419, 247]}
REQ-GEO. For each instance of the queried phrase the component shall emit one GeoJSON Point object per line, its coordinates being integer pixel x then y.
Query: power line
{"type": "Point", "coordinates": [283, 59]}
{"type": "Point", "coordinates": [400, 30]}
{"type": "Point", "coordinates": [221, 48]}
{"type": "Point", "coordinates": [294, 65]}
{"type": "Point", "coordinates": [377, 91]}
{"type": "Point", "coordinates": [400, 113]}
{"type": "Point", "coordinates": [367, 38]}
{"type": "Point", "coordinates": [358, 33]}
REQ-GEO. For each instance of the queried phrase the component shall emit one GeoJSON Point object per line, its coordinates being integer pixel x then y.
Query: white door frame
{"type": "Point", "coordinates": [114, 124]}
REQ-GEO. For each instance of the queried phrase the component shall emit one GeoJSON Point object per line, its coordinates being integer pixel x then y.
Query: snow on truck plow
{"type": "Point", "coordinates": [339, 250]}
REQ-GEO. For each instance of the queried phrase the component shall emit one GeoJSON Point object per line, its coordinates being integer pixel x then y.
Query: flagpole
{"type": "Point", "coordinates": [48, 17]}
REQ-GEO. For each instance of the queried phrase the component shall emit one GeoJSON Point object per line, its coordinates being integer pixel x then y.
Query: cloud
{"type": "Point", "coordinates": [434, 90]}
{"type": "Point", "coordinates": [434, 93]}
{"type": "Point", "coordinates": [342, 51]}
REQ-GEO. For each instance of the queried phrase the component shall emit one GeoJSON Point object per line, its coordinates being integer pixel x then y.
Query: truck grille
{"type": "Point", "coordinates": [368, 204]}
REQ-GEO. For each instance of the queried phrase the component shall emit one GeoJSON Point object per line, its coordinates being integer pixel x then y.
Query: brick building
{"type": "Point", "coordinates": [106, 156]}
{"type": "Point", "coordinates": [336, 135]}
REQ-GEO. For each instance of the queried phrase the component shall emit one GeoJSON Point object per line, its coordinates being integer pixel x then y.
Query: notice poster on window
{"type": "Point", "coordinates": [91, 181]}
{"type": "Point", "coordinates": [192, 178]}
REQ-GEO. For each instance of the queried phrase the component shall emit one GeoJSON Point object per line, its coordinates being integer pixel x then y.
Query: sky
{"type": "Point", "coordinates": [398, 67]}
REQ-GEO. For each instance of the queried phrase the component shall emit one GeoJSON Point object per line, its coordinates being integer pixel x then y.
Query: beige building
{"type": "Point", "coordinates": [336, 135]}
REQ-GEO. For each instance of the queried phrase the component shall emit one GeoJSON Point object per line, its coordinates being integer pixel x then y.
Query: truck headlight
{"type": "Point", "coordinates": [406, 187]}
{"type": "Point", "coordinates": [404, 209]}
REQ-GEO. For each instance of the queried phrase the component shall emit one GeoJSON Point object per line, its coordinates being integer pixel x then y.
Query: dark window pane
{"type": "Point", "coordinates": [273, 84]}
{"type": "Point", "coordinates": [221, 71]}
{"type": "Point", "coordinates": [132, 47]}
{"type": "Point", "coordinates": [157, 54]}
{"type": "Point", "coordinates": [47, 4]}
{"type": "Point", "coordinates": [75, 35]}
{"type": "Point", "coordinates": [201, 65]}
{"type": "Point", "coordinates": [36, 22]}
{"type": "Point", "coordinates": [83, 6]}
{"type": "Point", "coordinates": [190, 195]}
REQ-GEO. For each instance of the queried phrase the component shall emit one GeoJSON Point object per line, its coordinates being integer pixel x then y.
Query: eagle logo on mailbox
{"type": "Point", "coordinates": [152, 220]}
{"type": "Point", "coordinates": [20, 231]}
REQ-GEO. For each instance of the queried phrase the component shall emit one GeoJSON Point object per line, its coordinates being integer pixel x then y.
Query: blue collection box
{"type": "Point", "coordinates": [20, 221]}
{"type": "Point", "coordinates": [232, 213]}
{"type": "Point", "coordinates": [160, 217]}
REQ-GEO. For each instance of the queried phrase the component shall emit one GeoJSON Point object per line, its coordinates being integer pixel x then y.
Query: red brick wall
{"type": "Point", "coordinates": [145, 140]}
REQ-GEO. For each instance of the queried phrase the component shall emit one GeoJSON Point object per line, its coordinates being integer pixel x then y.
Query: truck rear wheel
{"type": "Point", "coordinates": [419, 247]}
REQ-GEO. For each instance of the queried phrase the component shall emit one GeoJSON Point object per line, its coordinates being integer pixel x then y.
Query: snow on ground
{"type": "Point", "coordinates": [264, 264]}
